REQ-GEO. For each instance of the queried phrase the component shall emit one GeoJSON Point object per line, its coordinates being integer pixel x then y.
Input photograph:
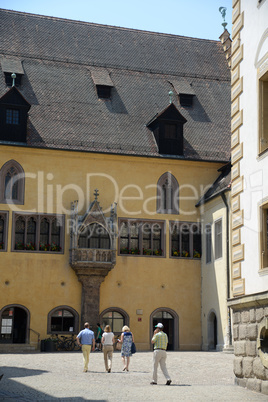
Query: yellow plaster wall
{"type": "Point", "coordinates": [54, 179]}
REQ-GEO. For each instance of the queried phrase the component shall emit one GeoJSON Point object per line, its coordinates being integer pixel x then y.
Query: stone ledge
{"type": "Point", "coordinates": [254, 300]}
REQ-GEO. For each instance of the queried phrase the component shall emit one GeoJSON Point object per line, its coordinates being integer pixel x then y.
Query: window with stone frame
{"type": "Point", "coordinates": [264, 236]}
{"type": "Point", "coordinates": [208, 243]}
{"type": "Point", "coordinates": [63, 320]}
{"type": "Point", "coordinates": [263, 113]}
{"type": "Point", "coordinates": [218, 239]}
{"type": "Point", "coordinates": [167, 194]}
{"type": "Point", "coordinates": [141, 237]}
{"type": "Point", "coordinates": [3, 230]}
{"type": "Point", "coordinates": [94, 236]}
{"type": "Point", "coordinates": [12, 182]}
{"type": "Point", "coordinates": [37, 232]}
{"type": "Point", "coordinates": [185, 239]}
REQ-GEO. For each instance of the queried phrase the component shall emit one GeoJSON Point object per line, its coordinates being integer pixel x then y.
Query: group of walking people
{"type": "Point", "coordinates": [86, 339]}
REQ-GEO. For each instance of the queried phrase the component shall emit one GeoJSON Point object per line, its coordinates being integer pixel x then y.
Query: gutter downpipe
{"type": "Point", "coordinates": [228, 265]}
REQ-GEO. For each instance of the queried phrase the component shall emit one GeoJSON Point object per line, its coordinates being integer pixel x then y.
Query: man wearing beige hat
{"type": "Point", "coordinates": [160, 342]}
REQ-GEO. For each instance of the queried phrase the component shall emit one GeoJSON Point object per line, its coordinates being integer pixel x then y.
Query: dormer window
{"type": "Point", "coordinates": [104, 91]}
{"type": "Point", "coordinates": [103, 82]}
{"type": "Point", "coordinates": [186, 100]}
{"type": "Point", "coordinates": [185, 92]}
{"type": "Point", "coordinates": [9, 79]}
{"type": "Point", "coordinates": [13, 116]}
{"type": "Point", "coordinates": [10, 67]}
{"type": "Point", "coordinates": [168, 131]}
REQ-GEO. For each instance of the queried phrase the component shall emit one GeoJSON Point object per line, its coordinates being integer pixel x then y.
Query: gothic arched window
{"type": "Point", "coordinates": [167, 194]}
{"type": "Point", "coordinates": [12, 183]}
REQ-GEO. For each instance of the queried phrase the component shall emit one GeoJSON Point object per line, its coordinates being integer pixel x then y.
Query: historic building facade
{"type": "Point", "coordinates": [249, 301]}
{"type": "Point", "coordinates": [109, 138]}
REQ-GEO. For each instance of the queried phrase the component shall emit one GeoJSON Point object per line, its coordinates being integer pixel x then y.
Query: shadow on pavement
{"type": "Point", "coordinates": [11, 390]}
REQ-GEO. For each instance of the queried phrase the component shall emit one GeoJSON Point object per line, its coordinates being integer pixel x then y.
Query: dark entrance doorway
{"type": "Point", "coordinates": [212, 331]}
{"type": "Point", "coordinates": [168, 321]}
{"type": "Point", "coordinates": [14, 325]}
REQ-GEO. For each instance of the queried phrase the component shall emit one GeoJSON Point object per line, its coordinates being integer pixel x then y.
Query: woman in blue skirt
{"type": "Point", "coordinates": [126, 339]}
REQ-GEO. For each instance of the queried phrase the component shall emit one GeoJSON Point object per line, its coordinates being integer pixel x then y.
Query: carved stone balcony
{"type": "Point", "coordinates": [89, 258]}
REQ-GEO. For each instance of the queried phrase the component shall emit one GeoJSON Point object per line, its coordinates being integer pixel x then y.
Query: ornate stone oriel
{"type": "Point", "coordinates": [92, 253]}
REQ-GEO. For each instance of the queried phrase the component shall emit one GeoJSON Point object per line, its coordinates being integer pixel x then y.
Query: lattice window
{"type": "Point", "coordinates": [38, 233]}
{"type": "Point", "coordinates": [3, 230]}
{"type": "Point", "coordinates": [186, 240]}
{"type": "Point", "coordinates": [141, 237]}
{"type": "Point", "coordinates": [12, 116]}
{"type": "Point", "coordinates": [94, 236]}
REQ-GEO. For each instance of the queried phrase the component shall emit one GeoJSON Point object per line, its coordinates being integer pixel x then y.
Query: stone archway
{"type": "Point", "coordinates": [15, 324]}
{"type": "Point", "coordinates": [212, 331]}
{"type": "Point", "coordinates": [170, 319]}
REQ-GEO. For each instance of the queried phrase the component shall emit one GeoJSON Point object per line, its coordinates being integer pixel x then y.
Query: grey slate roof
{"type": "Point", "coordinates": [62, 59]}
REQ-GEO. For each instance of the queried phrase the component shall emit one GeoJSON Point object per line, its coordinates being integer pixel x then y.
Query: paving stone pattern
{"type": "Point", "coordinates": [196, 376]}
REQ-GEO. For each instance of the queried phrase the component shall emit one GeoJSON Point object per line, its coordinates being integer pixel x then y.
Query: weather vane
{"type": "Point", "coordinates": [222, 10]}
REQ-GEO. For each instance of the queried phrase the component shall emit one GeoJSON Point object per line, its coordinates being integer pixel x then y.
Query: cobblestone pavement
{"type": "Point", "coordinates": [196, 376]}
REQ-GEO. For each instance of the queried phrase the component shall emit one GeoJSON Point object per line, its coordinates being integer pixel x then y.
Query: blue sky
{"type": "Point", "coordinates": [195, 18]}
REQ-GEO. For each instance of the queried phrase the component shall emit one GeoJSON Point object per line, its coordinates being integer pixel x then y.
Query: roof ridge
{"type": "Point", "coordinates": [108, 26]}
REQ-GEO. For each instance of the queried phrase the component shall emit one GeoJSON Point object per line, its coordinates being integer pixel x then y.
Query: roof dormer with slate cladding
{"type": "Point", "coordinates": [96, 88]}
{"type": "Point", "coordinates": [168, 131]}
{"type": "Point", "coordinates": [13, 116]}
{"type": "Point", "coordinates": [10, 67]}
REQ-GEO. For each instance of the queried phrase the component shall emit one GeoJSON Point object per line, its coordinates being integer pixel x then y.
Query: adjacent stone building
{"type": "Point", "coordinates": [249, 201]}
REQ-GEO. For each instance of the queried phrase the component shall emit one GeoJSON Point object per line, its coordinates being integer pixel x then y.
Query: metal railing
{"type": "Point", "coordinates": [35, 332]}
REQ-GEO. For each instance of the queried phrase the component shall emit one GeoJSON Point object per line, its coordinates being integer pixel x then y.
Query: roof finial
{"type": "Point", "coordinates": [222, 10]}
{"type": "Point", "coordinates": [96, 193]}
{"type": "Point", "coordinates": [170, 96]}
{"type": "Point", "coordinates": [13, 76]}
